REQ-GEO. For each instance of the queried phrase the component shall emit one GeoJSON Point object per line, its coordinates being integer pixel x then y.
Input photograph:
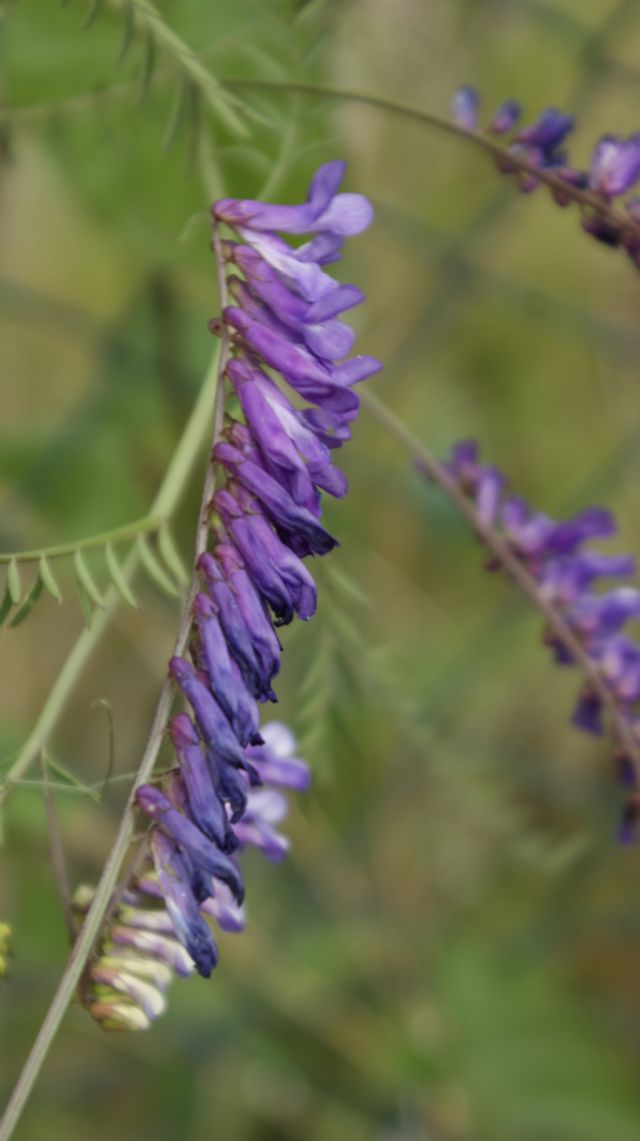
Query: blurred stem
{"type": "Point", "coordinates": [176, 477]}
{"type": "Point", "coordinates": [165, 503]}
{"type": "Point", "coordinates": [426, 463]}
{"type": "Point", "coordinates": [502, 155]}
{"type": "Point", "coordinates": [223, 105]}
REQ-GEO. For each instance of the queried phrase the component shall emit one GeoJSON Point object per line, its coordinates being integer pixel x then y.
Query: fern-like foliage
{"type": "Point", "coordinates": [29, 574]}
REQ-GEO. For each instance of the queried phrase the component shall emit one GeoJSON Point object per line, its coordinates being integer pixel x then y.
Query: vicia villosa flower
{"type": "Point", "coordinates": [276, 458]}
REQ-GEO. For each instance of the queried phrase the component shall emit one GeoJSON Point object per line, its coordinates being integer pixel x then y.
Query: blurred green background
{"type": "Point", "coordinates": [451, 952]}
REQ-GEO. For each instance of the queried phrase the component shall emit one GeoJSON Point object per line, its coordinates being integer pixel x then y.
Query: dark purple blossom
{"type": "Point", "coordinates": [182, 906]}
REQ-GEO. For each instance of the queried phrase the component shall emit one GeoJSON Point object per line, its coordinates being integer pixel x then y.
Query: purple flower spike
{"type": "Point", "coordinates": [563, 571]}
{"type": "Point", "coordinates": [341, 214]}
{"type": "Point", "coordinates": [615, 165]}
{"type": "Point", "coordinates": [189, 926]}
{"type": "Point", "coordinates": [465, 106]}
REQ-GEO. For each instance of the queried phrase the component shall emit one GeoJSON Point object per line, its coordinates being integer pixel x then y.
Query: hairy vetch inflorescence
{"type": "Point", "coordinates": [159, 926]}
{"type": "Point", "coordinates": [275, 457]}
{"type": "Point", "coordinates": [560, 560]}
{"type": "Point", "coordinates": [614, 168]}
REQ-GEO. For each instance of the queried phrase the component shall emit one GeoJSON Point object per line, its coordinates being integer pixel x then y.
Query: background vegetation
{"type": "Point", "coordinates": [451, 952]}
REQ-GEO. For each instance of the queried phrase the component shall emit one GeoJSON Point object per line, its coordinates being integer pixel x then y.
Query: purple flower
{"type": "Point", "coordinates": [615, 165]}
{"type": "Point", "coordinates": [506, 117]}
{"type": "Point", "coordinates": [614, 169]}
{"type": "Point", "coordinates": [275, 759]}
{"type": "Point", "coordinates": [303, 532]}
{"type": "Point", "coordinates": [464, 107]}
{"type": "Point", "coordinates": [278, 573]}
{"type": "Point", "coordinates": [564, 572]}
{"type": "Point", "coordinates": [189, 926]}
{"type": "Point", "coordinates": [213, 725]}
{"type": "Point", "coordinates": [266, 807]}
{"type": "Point", "coordinates": [238, 635]}
{"type": "Point", "coordinates": [190, 839]}
{"type": "Point", "coordinates": [206, 809]}
{"type": "Point", "coordinates": [225, 680]}
{"type": "Point", "coordinates": [325, 209]}
{"type": "Point", "coordinates": [548, 131]}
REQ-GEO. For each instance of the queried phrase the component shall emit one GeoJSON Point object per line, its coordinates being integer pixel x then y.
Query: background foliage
{"type": "Point", "coordinates": [451, 952]}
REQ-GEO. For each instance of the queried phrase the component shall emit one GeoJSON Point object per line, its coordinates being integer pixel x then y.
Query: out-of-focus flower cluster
{"type": "Point", "coordinates": [159, 928]}
{"type": "Point", "coordinates": [613, 171]}
{"type": "Point", "coordinates": [276, 457]}
{"type": "Point", "coordinates": [558, 556]}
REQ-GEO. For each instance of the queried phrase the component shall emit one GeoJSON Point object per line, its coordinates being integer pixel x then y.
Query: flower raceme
{"type": "Point", "coordinates": [613, 171]}
{"type": "Point", "coordinates": [275, 458]}
{"type": "Point", "coordinates": [158, 928]}
{"type": "Point", "coordinates": [559, 558]}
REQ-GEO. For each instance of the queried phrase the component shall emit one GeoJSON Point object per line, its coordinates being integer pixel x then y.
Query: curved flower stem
{"type": "Point", "coordinates": [500, 153]}
{"type": "Point", "coordinates": [499, 547]}
{"type": "Point", "coordinates": [83, 947]}
{"type": "Point", "coordinates": [169, 495]}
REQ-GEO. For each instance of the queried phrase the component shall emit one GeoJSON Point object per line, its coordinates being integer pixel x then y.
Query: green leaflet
{"type": "Point", "coordinates": [117, 577]}
{"type": "Point", "coordinates": [29, 602]}
{"type": "Point", "coordinates": [148, 65]}
{"type": "Point", "coordinates": [14, 585]}
{"type": "Point", "coordinates": [128, 28]}
{"type": "Point", "coordinates": [49, 582]}
{"type": "Point", "coordinates": [86, 580]}
{"type": "Point", "coordinates": [171, 555]}
{"type": "Point", "coordinates": [154, 568]}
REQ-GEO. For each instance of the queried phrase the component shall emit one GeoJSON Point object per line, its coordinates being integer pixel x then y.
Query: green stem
{"type": "Point", "coordinates": [212, 91]}
{"type": "Point", "coordinates": [500, 153]}
{"type": "Point", "coordinates": [169, 495]}
{"type": "Point", "coordinates": [188, 447]}
{"type": "Point", "coordinates": [515, 163]}
{"type": "Point", "coordinates": [147, 524]}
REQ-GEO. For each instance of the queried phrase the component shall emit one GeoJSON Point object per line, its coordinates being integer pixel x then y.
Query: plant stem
{"type": "Point", "coordinates": [180, 467]}
{"type": "Point", "coordinates": [500, 153]}
{"type": "Point", "coordinates": [499, 547]}
{"type": "Point", "coordinates": [516, 163]}
{"type": "Point", "coordinates": [165, 503]}
{"type": "Point", "coordinates": [148, 523]}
